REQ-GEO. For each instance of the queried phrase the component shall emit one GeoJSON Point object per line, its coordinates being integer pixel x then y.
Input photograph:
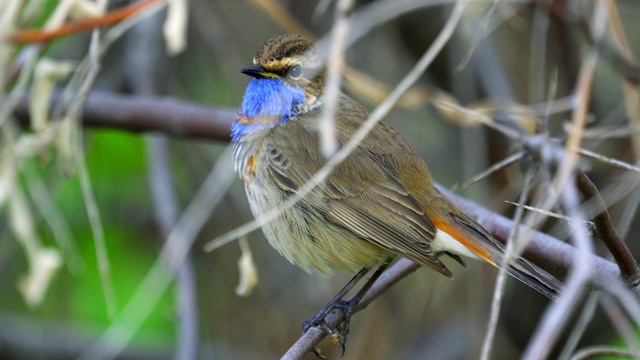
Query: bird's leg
{"type": "Point", "coordinates": [318, 318]}
{"type": "Point", "coordinates": [348, 306]}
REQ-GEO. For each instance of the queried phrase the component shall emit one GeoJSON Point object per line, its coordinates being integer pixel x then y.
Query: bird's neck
{"type": "Point", "coordinates": [267, 103]}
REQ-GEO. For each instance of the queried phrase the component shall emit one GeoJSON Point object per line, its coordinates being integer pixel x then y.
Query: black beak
{"type": "Point", "coordinates": [257, 72]}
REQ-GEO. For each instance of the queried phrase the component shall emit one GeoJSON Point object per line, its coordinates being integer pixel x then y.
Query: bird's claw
{"type": "Point", "coordinates": [340, 336]}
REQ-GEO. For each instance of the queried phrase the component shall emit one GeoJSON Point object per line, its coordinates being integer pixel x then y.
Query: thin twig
{"type": "Point", "coordinates": [110, 18]}
{"type": "Point", "coordinates": [586, 315]}
{"type": "Point", "coordinates": [593, 351]}
{"type": "Point", "coordinates": [545, 212]}
{"type": "Point", "coordinates": [495, 167]}
{"type": "Point", "coordinates": [557, 315]}
{"type": "Point", "coordinates": [167, 212]}
{"type": "Point", "coordinates": [335, 64]}
{"type": "Point", "coordinates": [609, 160]}
{"type": "Point", "coordinates": [173, 255]}
{"type": "Point", "coordinates": [55, 219]}
{"type": "Point", "coordinates": [146, 70]}
{"type": "Point", "coordinates": [85, 182]}
{"type": "Point", "coordinates": [509, 253]}
{"type": "Point", "coordinates": [620, 321]}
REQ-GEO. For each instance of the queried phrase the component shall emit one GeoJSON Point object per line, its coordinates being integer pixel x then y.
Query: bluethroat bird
{"type": "Point", "coordinates": [379, 203]}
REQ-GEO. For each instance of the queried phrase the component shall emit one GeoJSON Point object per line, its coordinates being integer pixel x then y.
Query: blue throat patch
{"type": "Point", "coordinates": [267, 98]}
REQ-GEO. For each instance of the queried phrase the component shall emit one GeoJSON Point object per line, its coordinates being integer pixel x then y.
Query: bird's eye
{"type": "Point", "coordinates": [295, 72]}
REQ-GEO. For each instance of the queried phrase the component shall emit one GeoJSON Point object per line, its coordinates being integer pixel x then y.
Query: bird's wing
{"type": "Point", "coordinates": [361, 194]}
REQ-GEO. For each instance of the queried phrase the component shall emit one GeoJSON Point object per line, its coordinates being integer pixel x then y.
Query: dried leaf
{"type": "Point", "coordinates": [45, 262]}
{"type": "Point", "coordinates": [47, 73]}
{"type": "Point", "coordinates": [175, 26]}
{"type": "Point", "coordinates": [248, 270]}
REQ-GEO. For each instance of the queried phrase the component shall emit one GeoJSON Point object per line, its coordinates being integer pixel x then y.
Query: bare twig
{"type": "Point", "coordinates": [544, 212]}
{"type": "Point", "coordinates": [586, 315]}
{"type": "Point", "coordinates": [335, 65]}
{"type": "Point", "coordinates": [29, 36]}
{"type": "Point", "coordinates": [53, 216]}
{"type": "Point", "coordinates": [495, 167]}
{"type": "Point", "coordinates": [609, 161]}
{"type": "Point", "coordinates": [172, 256]}
{"type": "Point", "coordinates": [599, 351]}
{"type": "Point", "coordinates": [146, 70]}
{"type": "Point", "coordinates": [93, 63]}
{"type": "Point", "coordinates": [620, 321]}
{"type": "Point", "coordinates": [607, 233]}
{"type": "Point", "coordinates": [167, 213]}
{"type": "Point", "coordinates": [509, 253]}
{"type": "Point", "coordinates": [557, 315]}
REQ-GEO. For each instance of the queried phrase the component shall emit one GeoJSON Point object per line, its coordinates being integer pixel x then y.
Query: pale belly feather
{"type": "Point", "coordinates": [302, 235]}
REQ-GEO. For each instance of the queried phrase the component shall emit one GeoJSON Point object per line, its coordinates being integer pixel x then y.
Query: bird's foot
{"type": "Point", "coordinates": [340, 334]}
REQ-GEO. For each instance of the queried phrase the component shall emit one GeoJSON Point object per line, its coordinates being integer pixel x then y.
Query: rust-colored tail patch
{"type": "Point", "coordinates": [463, 238]}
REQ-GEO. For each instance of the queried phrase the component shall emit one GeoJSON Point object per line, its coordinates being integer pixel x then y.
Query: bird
{"type": "Point", "coordinates": [379, 204]}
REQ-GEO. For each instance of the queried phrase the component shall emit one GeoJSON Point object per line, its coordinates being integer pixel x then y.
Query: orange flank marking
{"type": "Point", "coordinates": [264, 120]}
{"type": "Point", "coordinates": [243, 119]}
{"type": "Point", "coordinates": [110, 18]}
{"type": "Point", "coordinates": [251, 165]}
{"type": "Point", "coordinates": [463, 239]}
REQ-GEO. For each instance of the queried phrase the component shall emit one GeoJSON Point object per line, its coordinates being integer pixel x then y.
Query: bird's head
{"type": "Point", "coordinates": [292, 59]}
{"type": "Point", "coordinates": [288, 78]}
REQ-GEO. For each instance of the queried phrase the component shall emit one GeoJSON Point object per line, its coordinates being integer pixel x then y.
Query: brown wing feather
{"type": "Point", "coordinates": [359, 195]}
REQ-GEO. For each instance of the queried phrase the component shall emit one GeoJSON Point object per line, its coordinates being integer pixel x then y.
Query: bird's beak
{"type": "Point", "coordinates": [258, 72]}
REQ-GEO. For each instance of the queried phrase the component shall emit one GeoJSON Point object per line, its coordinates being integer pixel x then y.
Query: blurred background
{"type": "Point", "coordinates": [525, 53]}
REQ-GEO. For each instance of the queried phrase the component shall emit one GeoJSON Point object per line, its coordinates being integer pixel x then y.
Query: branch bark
{"type": "Point", "coordinates": [146, 114]}
{"type": "Point", "coordinates": [606, 232]}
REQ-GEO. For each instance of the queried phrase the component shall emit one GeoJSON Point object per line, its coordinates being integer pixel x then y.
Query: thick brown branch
{"type": "Point", "coordinates": [607, 233]}
{"type": "Point", "coordinates": [150, 114]}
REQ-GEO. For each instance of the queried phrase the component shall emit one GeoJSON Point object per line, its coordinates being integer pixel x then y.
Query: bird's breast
{"type": "Point", "coordinates": [246, 153]}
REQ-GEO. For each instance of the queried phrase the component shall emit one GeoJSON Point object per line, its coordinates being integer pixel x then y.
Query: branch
{"type": "Point", "coordinates": [607, 233]}
{"type": "Point", "coordinates": [142, 114]}
{"type": "Point", "coordinates": [309, 340]}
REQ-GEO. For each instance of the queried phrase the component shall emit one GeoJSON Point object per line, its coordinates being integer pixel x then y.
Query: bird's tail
{"type": "Point", "coordinates": [519, 267]}
{"type": "Point", "coordinates": [535, 277]}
